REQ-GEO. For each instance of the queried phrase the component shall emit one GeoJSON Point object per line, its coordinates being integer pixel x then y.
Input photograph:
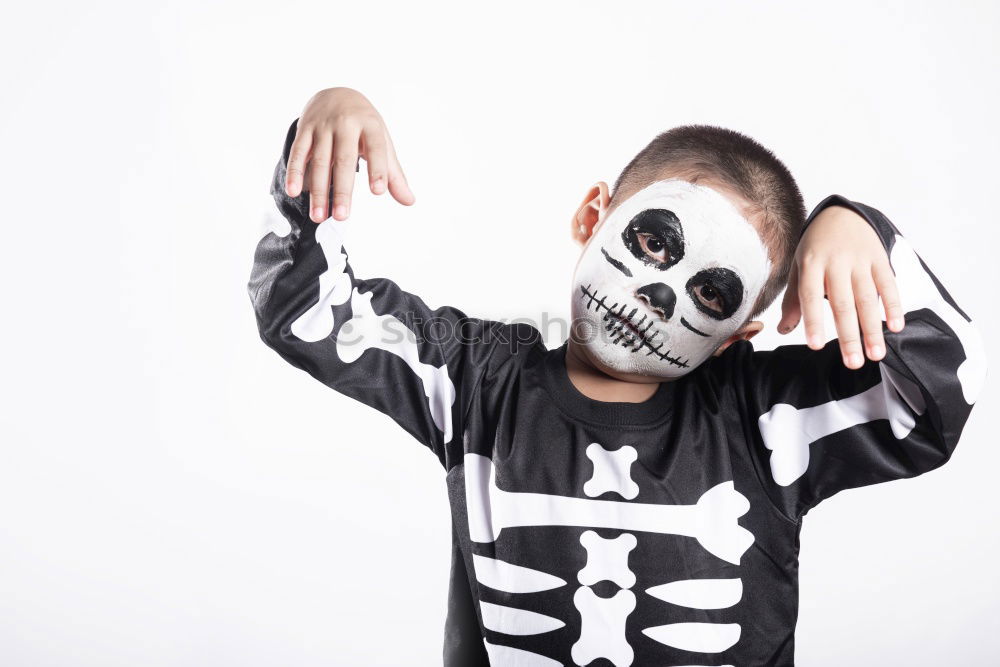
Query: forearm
{"type": "Point", "coordinates": [365, 338]}
{"type": "Point", "coordinates": [825, 427]}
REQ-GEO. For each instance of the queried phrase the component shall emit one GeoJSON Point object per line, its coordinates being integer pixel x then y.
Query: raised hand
{"type": "Point", "coordinates": [337, 127]}
{"type": "Point", "coordinates": [841, 258]}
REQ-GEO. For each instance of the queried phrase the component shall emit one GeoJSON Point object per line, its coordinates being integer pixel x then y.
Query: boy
{"type": "Point", "coordinates": [634, 496]}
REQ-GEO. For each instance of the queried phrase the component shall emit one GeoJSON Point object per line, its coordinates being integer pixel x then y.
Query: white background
{"type": "Point", "coordinates": [173, 493]}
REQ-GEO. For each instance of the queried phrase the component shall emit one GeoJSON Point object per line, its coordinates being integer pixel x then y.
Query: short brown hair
{"type": "Point", "coordinates": [736, 161]}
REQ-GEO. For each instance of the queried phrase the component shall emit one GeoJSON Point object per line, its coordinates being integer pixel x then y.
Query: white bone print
{"type": "Point", "coordinates": [917, 290]}
{"type": "Point", "coordinates": [367, 330]}
{"type": "Point", "coordinates": [513, 621]}
{"type": "Point", "coordinates": [502, 576]}
{"type": "Point", "coordinates": [700, 593]}
{"type": "Point", "coordinates": [607, 560]}
{"type": "Point", "coordinates": [602, 630]}
{"type": "Point", "coordinates": [318, 323]}
{"type": "Point", "coordinates": [696, 637]}
{"type": "Point", "coordinates": [611, 471]}
{"type": "Point", "coordinates": [273, 222]}
{"type": "Point", "coordinates": [712, 520]}
{"type": "Point", "coordinates": [509, 656]}
{"type": "Point", "coordinates": [789, 431]}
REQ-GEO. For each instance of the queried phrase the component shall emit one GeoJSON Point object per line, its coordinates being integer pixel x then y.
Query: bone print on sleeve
{"type": "Point", "coordinates": [367, 339]}
{"type": "Point", "coordinates": [820, 427]}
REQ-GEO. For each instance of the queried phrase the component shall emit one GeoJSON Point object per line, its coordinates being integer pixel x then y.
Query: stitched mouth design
{"type": "Point", "coordinates": [625, 331]}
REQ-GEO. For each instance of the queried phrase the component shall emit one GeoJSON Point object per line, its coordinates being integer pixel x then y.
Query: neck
{"type": "Point", "coordinates": [599, 385]}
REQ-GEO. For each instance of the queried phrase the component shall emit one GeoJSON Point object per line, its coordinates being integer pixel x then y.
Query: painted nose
{"type": "Point", "coordinates": [660, 297]}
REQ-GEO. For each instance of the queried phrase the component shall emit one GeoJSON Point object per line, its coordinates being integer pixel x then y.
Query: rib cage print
{"type": "Point", "coordinates": [712, 521]}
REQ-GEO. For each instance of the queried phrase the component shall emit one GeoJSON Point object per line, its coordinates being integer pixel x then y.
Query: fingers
{"type": "Point", "coordinates": [319, 177]}
{"type": "Point", "coordinates": [374, 143]}
{"type": "Point", "coordinates": [811, 290]}
{"type": "Point", "coordinates": [842, 301]}
{"type": "Point", "coordinates": [791, 310]}
{"type": "Point", "coordinates": [333, 132]}
{"type": "Point", "coordinates": [885, 282]}
{"type": "Point", "coordinates": [295, 169]}
{"type": "Point", "coordinates": [345, 164]}
{"type": "Point", "coordinates": [869, 313]}
{"type": "Point", "coordinates": [398, 187]}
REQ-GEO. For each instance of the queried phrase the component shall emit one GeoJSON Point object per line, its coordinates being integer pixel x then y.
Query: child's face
{"type": "Point", "coordinates": [665, 279]}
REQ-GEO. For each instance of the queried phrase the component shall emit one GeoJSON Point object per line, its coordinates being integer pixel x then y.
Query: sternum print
{"type": "Point", "coordinates": [602, 620]}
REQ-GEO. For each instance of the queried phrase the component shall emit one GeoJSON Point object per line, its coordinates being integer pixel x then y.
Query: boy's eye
{"type": "Point", "coordinates": [654, 246]}
{"type": "Point", "coordinates": [710, 297]}
{"type": "Point", "coordinates": [716, 291]}
{"type": "Point", "coordinates": [655, 237]}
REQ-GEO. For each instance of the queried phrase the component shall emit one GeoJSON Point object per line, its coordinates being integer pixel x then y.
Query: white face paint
{"type": "Point", "coordinates": [669, 275]}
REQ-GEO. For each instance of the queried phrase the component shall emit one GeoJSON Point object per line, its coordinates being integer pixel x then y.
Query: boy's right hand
{"type": "Point", "coordinates": [337, 126]}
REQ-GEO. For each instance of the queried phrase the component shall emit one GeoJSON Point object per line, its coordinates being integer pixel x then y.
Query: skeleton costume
{"type": "Point", "coordinates": [657, 533]}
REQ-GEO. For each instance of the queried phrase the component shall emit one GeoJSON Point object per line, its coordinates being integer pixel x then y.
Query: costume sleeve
{"type": "Point", "coordinates": [819, 427]}
{"type": "Point", "coordinates": [367, 339]}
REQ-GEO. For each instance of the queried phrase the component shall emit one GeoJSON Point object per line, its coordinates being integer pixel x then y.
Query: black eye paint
{"type": "Point", "coordinates": [662, 224]}
{"type": "Point", "coordinates": [726, 284]}
{"type": "Point", "coordinates": [688, 325]}
{"type": "Point", "coordinates": [615, 263]}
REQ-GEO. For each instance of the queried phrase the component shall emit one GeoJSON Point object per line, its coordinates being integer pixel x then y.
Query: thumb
{"type": "Point", "coordinates": [791, 309]}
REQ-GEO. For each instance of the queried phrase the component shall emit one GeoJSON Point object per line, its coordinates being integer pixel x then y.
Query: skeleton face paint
{"type": "Point", "coordinates": [669, 275]}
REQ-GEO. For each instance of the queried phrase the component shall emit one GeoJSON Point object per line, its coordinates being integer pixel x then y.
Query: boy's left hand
{"type": "Point", "coordinates": [840, 257]}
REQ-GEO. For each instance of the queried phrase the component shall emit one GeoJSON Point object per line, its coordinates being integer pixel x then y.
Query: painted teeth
{"type": "Point", "coordinates": [627, 331]}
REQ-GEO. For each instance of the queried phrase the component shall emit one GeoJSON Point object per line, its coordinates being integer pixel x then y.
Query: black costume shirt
{"type": "Point", "coordinates": [657, 533]}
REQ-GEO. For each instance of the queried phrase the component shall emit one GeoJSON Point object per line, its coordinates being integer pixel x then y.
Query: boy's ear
{"type": "Point", "coordinates": [746, 332]}
{"type": "Point", "coordinates": [591, 212]}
